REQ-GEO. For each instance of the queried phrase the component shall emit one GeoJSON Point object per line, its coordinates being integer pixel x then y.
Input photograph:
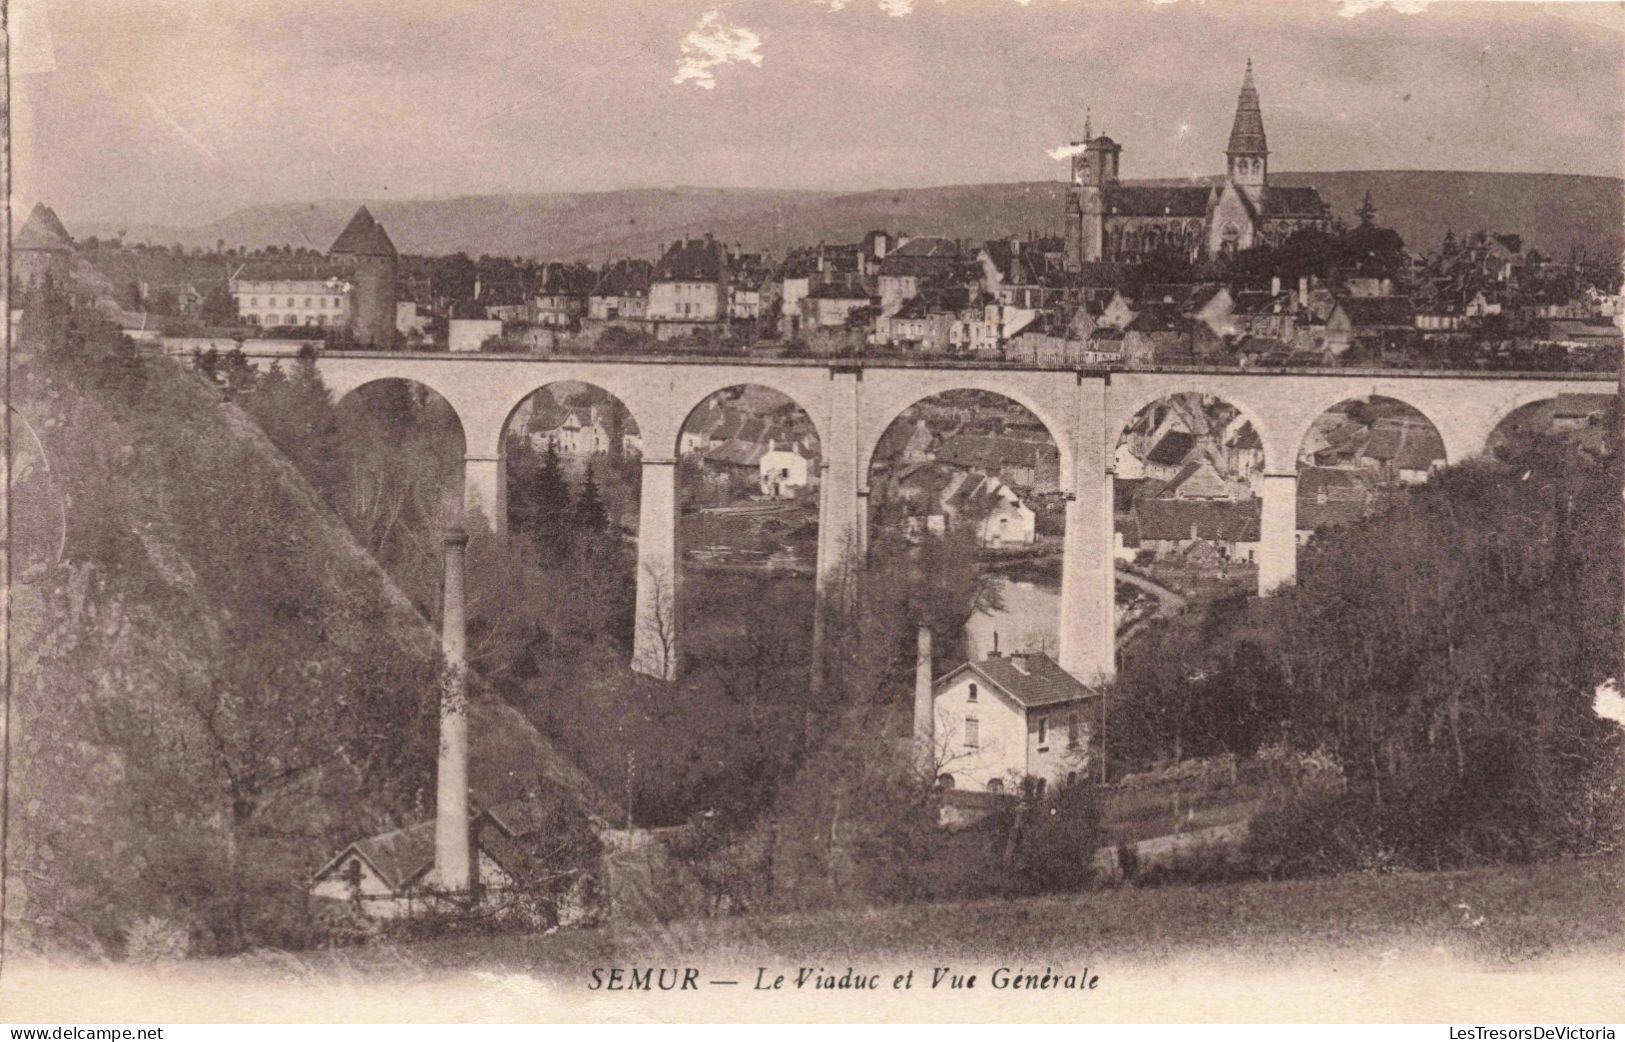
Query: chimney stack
{"type": "Point", "coordinates": [925, 729]}
{"type": "Point", "coordinates": [453, 860]}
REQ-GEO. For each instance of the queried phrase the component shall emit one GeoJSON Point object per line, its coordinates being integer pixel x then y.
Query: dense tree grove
{"type": "Point", "coordinates": [200, 707]}
{"type": "Point", "coordinates": [1445, 652]}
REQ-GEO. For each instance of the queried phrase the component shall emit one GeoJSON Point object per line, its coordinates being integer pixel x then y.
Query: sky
{"type": "Point", "coordinates": [181, 111]}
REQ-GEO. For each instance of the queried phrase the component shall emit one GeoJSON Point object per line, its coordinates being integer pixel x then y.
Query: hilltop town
{"type": "Point", "coordinates": [1241, 273]}
{"type": "Point", "coordinates": [1208, 535]}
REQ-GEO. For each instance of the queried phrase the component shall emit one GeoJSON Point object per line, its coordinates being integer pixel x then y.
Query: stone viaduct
{"type": "Point", "coordinates": [852, 402]}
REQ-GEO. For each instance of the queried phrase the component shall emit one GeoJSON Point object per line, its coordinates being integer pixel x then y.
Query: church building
{"type": "Point", "coordinates": [1107, 220]}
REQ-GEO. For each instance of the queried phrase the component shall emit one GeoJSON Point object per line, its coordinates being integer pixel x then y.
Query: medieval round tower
{"type": "Point", "coordinates": [367, 256]}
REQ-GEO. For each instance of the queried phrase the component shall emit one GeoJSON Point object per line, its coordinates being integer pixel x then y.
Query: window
{"type": "Point", "coordinates": [995, 785]}
{"type": "Point", "coordinates": [972, 696]}
{"type": "Point", "coordinates": [1072, 730]}
{"type": "Point", "coordinates": [307, 302]}
{"type": "Point", "coordinates": [971, 732]}
{"type": "Point", "coordinates": [1043, 733]}
{"type": "Point", "coordinates": [253, 302]}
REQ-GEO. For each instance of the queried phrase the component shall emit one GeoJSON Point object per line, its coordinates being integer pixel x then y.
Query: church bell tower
{"type": "Point", "coordinates": [1247, 157]}
{"type": "Point", "coordinates": [1094, 172]}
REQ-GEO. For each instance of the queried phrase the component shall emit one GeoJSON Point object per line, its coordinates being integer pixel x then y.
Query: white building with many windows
{"type": "Point", "coordinates": [273, 295]}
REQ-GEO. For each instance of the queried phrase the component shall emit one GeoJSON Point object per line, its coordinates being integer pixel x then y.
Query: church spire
{"type": "Point", "coordinates": [1247, 133]}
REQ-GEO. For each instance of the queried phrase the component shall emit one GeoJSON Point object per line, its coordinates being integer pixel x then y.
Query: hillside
{"type": "Point", "coordinates": [215, 687]}
{"type": "Point", "coordinates": [1553, 212]}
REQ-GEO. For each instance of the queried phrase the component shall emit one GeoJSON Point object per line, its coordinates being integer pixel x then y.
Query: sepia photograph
{"type": "Point", "coordinates": [813, 511]}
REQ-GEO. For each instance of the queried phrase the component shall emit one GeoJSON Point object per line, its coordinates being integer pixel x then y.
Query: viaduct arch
{"type": "Point", "coordinates": [852, 402]}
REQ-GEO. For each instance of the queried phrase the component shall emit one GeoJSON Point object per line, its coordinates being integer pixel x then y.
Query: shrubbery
{"type": "Point", "coordinates": [1444, 654]}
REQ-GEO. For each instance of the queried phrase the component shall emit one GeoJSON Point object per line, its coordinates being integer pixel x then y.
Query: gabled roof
{"type": "Point", "coordinates": [287, 271]}
{"type": "Point", "coordinates": [404, 856]}
{"type": "Point", "coordinates": [1378, 311]}
{"type": "Point", "coordinates": [1410, 446]}
{"type": "Point", "coordinates": [557, 417]}
{"type": "Point", "coordinates": [518, 818]}
{"type": "Point", "coordinates": [927, 255]}
{"type": "Point", "coordinates": [43, 231]}
{"type": "Point", "coordinates": [737, 453]}
{"type": "Point", "coordinates": [692, 260]}
{"type": "Point", "coordinates": [977, 493]}
{"type": "Point", "coordinates": [1158, 318]}
{"type": "Point", "coordinates": [1157, 200]}
{"type": "Point", "coordinates": [928, 484]}
{"type": "Point", "coordinates": [1256, 302]}
{"type": "Point", "coordinates": [1038, 682]}
{"type": "Point", "coordinates": [1198, 479]}
{"type": "Point", "coordinates": [400, 857]}
{"type": "Point", "coordinates": [1344, 483]}
{"type": "Point", "coordinates": [1579, 329]}
{"type": "Point", "coordinates": [991, 452]}
{"type": "Point", "coordinates": [501, 292]}
{"type": "Point", "coordinates": [838, 289]}
{"type": "Point", "coordinates": [363, 237]}
{"type": "Point", "coordinates": [1215, 520]}
{"type": "Point", "coordinates": [1294, 202]}
{"type": "Point", "coordinates": [1173, 449]}
{"type": "Point", "coordinates": [625, 278]}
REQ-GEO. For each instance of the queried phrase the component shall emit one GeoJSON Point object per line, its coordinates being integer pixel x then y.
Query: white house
{"type": "Point", "coordinates": [939, 497]}
{"type": "Point", "coordinates": [783, 471]}
{"type": "Point", "coordinates": [391, 875]}
{"type": "Point", "coordinates": [571, 432]}
{"type": "Point", "coordinates": [467, 334]}
{"type": "Point", "coordinates": [1007, 521]}
{"type": "Point", "coordinates": [1006, 718]}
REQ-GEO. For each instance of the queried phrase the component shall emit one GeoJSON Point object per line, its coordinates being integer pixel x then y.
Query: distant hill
{"type": "Point", "coordinates": [1553, 212]}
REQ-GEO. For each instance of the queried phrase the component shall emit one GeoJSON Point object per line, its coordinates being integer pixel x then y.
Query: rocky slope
{"type": "Point", "coordinates": [215, 687]}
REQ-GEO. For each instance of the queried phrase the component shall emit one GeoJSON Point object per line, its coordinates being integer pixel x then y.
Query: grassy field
{"type": "Point", "coordinates": [1491, 917]}
{"type": "Point", "coordinates": [1529, 944]}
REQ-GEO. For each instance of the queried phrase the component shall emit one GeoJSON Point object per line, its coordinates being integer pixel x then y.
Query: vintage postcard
{"type": "Point", "coordinates": [1047, 511]}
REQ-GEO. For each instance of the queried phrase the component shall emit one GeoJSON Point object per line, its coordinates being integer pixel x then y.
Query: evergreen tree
{"type": "Point", "coordinates": [552, 491]}
{"type": "Point", "coordinates": [550, 499]}
{"type": "Point", "coordinates": [588, 512]}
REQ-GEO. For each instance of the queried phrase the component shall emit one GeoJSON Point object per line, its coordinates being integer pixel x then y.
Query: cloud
{"type": "Point", "coordinates": [1608, 702]}
{"type": "Point", "coordinates": [897, 8]}
{"type": "Point", "coordinates": [713, 42]}
{"type": "Point", "coordinates": [1066, 151]}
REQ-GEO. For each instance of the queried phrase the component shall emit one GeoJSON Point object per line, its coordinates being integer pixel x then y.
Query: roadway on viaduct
{"type": "Point", "coordinates": [852, 402]}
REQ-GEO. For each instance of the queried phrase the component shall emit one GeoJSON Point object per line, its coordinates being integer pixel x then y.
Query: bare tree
{"type": "Point", "coordinates": [658, 627]}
